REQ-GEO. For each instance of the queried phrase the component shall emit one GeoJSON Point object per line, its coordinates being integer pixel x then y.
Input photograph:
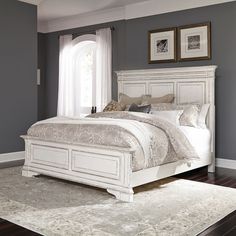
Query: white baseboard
{"type": "Point", "coordinates": [226, 163]}
{"type": "Point", "coordinates": [12, 156]}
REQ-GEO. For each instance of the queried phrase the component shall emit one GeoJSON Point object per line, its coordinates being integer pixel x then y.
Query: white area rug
{"type": "Point", "coordinates": [169, 207]}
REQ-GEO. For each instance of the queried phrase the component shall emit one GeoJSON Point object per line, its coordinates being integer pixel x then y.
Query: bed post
{"type": "Point", "coordinates": [125, 192]}
{"type": "Point", "coordinates": [211, 74]}
{"type": "Point", "coordinates": [126, 195]}
{"type": "Point", "coordinates": [212, 166]}
{"type": "Point", "coordinates": [25, 170]}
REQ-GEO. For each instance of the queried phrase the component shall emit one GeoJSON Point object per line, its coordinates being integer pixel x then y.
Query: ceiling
{"type": "Point", "coordinates": [54, 9]}
{"type": "Point", "coordinates": [55, 15]}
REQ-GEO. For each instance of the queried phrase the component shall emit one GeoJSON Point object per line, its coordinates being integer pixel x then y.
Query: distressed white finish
{"type": "Point", "coordinates": [111, 167]}
{"type": "Point", "coordinates": [97, 166]}
{"type": "Point", "coordinates": [188, 84]}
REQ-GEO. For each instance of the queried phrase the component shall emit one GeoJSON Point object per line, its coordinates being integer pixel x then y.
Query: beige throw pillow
{"type": "Point", "coordinates": [127, 100]}
{"type": "Point", "coordinates": [169, 98]}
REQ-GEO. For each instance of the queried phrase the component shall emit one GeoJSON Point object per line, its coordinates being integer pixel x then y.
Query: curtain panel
{"type": "Point", "coordinates": [69, 86]}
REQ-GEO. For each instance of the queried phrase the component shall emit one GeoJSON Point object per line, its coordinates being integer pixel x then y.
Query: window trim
{"type": "Point", "coordinates": [86, 37]}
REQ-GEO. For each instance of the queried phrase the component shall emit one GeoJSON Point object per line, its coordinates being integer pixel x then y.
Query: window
{"type": "Point", "coordinates": [84, 63]}
{"type": "Point", "coordinates": [85, 73]}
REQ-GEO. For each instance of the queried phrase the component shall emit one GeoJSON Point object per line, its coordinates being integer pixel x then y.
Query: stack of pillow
{"type": "Point", "coordinates": [193, 115]}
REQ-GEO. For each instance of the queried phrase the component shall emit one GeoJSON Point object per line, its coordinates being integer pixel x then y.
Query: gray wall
{"type": "Point", "coordinates": [42, 60]}
{"type": "Point", "coordinates": [130, 52]}
{"type": "Point", "coordinates": [18, 63]}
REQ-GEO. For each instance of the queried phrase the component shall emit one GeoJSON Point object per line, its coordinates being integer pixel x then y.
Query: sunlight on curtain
{"type": "Point", "coordinates": [103, 68]}
{"type": "Point", "coordinates": [65, 92]}
{"type": "Point", "coordinates": [85, 73]}
{"type": "Point", "coordinates": [84, 69]}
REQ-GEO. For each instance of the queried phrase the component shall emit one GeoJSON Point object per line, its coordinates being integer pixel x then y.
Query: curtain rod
{"type": "Point", "coordinates": [87, 32]}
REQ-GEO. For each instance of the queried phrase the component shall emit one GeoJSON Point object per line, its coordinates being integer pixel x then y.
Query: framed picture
{"type": "Point", "coordinates": [162, 45]}
{"type": "Point", "coordinates": [194, 42]}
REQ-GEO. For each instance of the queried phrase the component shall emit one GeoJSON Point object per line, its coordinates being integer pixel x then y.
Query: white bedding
{"type": "Point", "coordinates": [200, 139]}
{"type": "Point", "coordinates": [140, 130]}
{"type": "Point", "coordinates": [153, 140]}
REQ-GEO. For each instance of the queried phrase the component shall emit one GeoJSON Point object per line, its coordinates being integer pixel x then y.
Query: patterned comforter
{"type": "Point", "coordinates": [153, 141]}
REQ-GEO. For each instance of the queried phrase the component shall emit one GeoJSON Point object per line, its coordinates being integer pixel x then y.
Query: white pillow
{"type": "Point", "coordinates": [171, 116]}
{"type": "Point", "coordinates": [200, 119]}
{"type": "Point", "coordinates": [203, 115]}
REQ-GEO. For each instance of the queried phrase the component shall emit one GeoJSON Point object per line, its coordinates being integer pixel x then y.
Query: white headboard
{"type": "Point", "coordinates": [188, 84]}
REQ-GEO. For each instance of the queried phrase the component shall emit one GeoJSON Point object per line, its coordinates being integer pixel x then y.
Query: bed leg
{"type": "Point", "coordinates": [126, 196]}
{"type": "Point", "coordinates": [212, 166]}
{"type": "Point", "coordinates": [28, 173]}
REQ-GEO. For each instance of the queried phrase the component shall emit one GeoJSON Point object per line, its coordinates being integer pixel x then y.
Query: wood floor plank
{"type": "Point", "coordinates": [9, 229]}
{"type": "Point", "coordinates": [225, 227]}
{"type": "Point", "coordinates": [222, 177]}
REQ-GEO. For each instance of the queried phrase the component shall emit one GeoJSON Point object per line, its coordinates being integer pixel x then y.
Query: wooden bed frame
{"type": "Point", "coordinates": [110, 167]}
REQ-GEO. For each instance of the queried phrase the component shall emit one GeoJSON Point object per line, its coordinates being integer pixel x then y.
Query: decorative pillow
{"type": "Point", "coordinates": [127, 100]}
{"type": "Point", "coordinates": [190, 116]}
{"type": "Point", "coordinates": [145, 109]}
{"type": "Point", "coordinates": [203, 115]}
{"type": "Point", "coordinates": [199, 119]}
{"type": "Point", "coordinates": [171, 106]}
{"type": "Point", "coordinates": [163, 107]}
{"type": "Point", "coordinates": [171, 116]}
{"type": "Point", "coordinates": [169, 98]}
{"type": "Point", "coordinates": [114, 106]}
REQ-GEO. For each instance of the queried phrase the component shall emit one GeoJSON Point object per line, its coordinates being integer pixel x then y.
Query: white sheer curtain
{"type": "Point", "coordinates": [103, 67]}
{"type": "Point", "coordinates": [73, 78]}
{"type": "Point", "coordinates": [84, 73]}
{"type": "Point", "coordinates": [65, 91]}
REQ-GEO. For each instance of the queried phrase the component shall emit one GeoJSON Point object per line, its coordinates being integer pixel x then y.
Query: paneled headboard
{"type": "Point", "coordinates": [188, 84]}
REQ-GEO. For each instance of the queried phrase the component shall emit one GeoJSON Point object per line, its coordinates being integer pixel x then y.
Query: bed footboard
{"type": "Point", "coordinates": [103, 167]}
{"type": "Point", "coordinates": [106, 168]}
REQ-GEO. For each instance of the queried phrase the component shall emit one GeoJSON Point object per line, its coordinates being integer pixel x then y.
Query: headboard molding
{"type": "Point", "coordinates": [188, 84]}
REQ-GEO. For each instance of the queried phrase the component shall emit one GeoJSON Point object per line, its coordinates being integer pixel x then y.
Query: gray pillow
{"type": "Point", "coordinates": [145, 109]}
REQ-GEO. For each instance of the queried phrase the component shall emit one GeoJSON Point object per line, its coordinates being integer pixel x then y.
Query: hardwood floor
{"type": "Point", "coordinates": [9, 229]}
{"type": "Point", "coordinates": [225, 227]}
{"type": "Point", "coordinates": [222, 177]}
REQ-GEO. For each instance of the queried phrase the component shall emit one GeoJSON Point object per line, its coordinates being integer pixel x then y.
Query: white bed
{"type": "Point", "coordinates": [111, 168]}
